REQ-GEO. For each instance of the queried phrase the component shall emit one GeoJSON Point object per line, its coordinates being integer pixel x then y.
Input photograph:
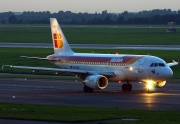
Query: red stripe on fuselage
{"type": "Point", "coordinates": [113, 59]}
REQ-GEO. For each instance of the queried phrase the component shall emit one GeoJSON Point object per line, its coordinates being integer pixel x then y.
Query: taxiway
{"type": "Point", "coordinates": [70, 93]}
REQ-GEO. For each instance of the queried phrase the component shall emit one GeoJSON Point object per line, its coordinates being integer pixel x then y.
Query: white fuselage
{"type": "Point", "coordinates": [125, 67]}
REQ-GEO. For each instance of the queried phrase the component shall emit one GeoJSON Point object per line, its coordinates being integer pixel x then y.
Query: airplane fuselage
{"type": "Point", "coordinates": [125, 67]}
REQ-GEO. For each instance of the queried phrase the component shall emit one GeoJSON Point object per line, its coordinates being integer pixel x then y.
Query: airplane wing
{"type": "Point", "coordinates": [173, 63]}
{"type": "Point", "coordinates": [60, 70]}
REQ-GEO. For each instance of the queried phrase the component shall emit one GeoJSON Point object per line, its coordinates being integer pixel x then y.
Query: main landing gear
{"type": "Point", "coordinates": [127, 87]}
{"type": "Point", "coordinates": [88, 89]}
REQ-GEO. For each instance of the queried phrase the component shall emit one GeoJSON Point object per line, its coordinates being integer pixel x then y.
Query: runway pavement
{"type": "Point", "coordinates": [93, 46]}
{"type": "Point", "coordinates": [70, 93]}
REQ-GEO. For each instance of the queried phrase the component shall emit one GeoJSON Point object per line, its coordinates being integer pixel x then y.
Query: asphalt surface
{"type": "Point", "coordinates": [13, 121]}
{"type": "Point", "coordinates": [93, 46]}
{"type": "Point", "coordinates": [70, 93]}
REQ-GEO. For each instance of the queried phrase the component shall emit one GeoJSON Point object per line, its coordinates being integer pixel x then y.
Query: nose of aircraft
{"type": "Point", "coordinates": [167, 73]}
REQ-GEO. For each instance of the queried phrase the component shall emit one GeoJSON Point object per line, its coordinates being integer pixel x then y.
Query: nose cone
{"type": "Point", "coordinates": [167, 73]}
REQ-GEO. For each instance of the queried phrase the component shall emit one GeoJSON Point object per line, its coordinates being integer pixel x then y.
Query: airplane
{"type": "Point", "coordinates": [96, 70]}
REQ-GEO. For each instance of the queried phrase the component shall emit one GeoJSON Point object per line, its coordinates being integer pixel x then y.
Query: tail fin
{"type": "Point", "coordinates": [60, 43]}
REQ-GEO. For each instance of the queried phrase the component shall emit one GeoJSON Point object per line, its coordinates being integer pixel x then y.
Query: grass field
{"type": "Point", "coordinates": [83, 114]}
{"type": "Point", "coordinates": [11, 56]}
{"type": "Point", "coordinates": [92, 35]}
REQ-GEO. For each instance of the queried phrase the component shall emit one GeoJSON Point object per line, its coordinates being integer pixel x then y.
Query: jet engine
{"type": "Point", "coordinates": [96, 81]}
{"type": "Point", "coordinates": [160, 83]}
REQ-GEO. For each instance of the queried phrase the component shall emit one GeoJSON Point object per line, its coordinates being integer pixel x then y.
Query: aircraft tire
{"type": "Point", "coordinates": [87, 89]}
{"type": "Point", "coordinates": [91, 90]}
{"type": "Point", "coordinates": [129, 87]}
{"type": "Point", "coordinates": [124, 87]}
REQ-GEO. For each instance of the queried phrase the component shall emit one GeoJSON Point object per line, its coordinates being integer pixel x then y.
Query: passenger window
{"type": "Point", "coordinates": [152, 65]}
{"type": "Point", "coordinates": [155, 64]}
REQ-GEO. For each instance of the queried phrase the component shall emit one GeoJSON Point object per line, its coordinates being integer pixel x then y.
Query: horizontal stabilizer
{"type": "Point", "coordinates": [33, 57]}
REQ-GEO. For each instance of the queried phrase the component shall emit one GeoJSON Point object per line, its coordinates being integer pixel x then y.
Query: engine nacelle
{"type": "Point", "coordinates": [160, 83]}
{"type": "Point", "coordinates": [96, 81]}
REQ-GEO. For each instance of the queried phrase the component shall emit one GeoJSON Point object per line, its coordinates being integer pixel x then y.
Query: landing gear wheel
{"type": "Point", "coordinates": [124, 87]}
{"type": "Point", "coordinates": [129, 87]}
{"type": "Point", "coordinates": [91, 90]}
{"type": "Point", "coordinates": [87, 89]}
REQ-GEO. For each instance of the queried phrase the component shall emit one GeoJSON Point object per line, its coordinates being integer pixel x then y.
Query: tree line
{"type": "Point", "coordinates": [155, 16]}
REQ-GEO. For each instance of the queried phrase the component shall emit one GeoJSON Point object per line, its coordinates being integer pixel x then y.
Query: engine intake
{"type": "Point", "coordinates": [160, 83]}
{"type": "Point", "coordinates": [96, 81]}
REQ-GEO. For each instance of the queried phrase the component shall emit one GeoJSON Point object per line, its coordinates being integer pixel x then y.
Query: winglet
{"type": "Point", "coordinates": [173, 63]}
{"type": "Point", "coordinates": [2, 66]}
{"type": "Point", "coordinates": [176, 62]}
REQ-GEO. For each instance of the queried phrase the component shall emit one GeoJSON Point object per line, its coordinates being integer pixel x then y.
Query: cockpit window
{"type": "Point", "coordinates": [157, 64]}
{"type": "Point", "coordinates": [161, 64]}
{"type": "Point", "coordinates": [152, 65]}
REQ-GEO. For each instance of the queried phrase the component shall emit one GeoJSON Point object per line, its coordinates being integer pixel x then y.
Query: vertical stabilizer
{"type": "Point", "coordinates": [60, 43]}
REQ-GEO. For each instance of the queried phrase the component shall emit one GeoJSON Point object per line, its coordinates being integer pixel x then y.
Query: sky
{"type": "Point", "coordinates": [90, 6]}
